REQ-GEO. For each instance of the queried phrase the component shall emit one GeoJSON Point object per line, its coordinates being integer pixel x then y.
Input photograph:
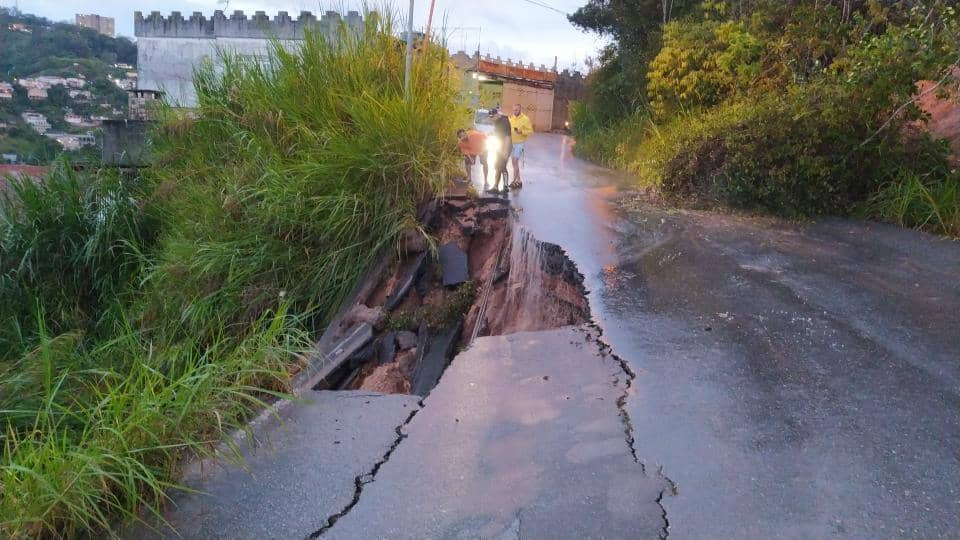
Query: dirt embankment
{"type": "Point", "coordinates": [941, 104]}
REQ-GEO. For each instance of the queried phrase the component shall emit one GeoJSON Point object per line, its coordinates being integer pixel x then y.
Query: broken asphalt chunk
{"type": "Point", "coordinates": [406, 340]}
{"type": "Point", "coordinates": [435, 360]}
{"type": "Point", "coordinates": [453, 263]}
{"type": "Point", "coordinates": [335, 360]}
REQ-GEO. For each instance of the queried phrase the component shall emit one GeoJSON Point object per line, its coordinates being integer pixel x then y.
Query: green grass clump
{"type": "Point", "coordinates": [87, 442]}
{"type": "Point", "coordinates": [69, 246]}
{"type": "Point", "coordinates": [931, 204]}
{"type": "Point", "coordinates": [453, 306]}
{"type": "Point", "coordinates": [144, 317]}
{"type": "Point", "coordinates": [296, 172]}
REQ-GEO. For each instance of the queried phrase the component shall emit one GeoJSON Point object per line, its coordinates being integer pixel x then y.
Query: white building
{"type": "Point", "coordinates": [37, 93]}
{"type": "Point", "coordinates": [73, 141]}
{"type": "Point", "coordinates": [50, 80]}
{"type": "Point", "coordinates": [6, 90]}
{"type": "Point", "coordinates": [170, 48]}
{"type": "Point", "coordinates": [36, 121]}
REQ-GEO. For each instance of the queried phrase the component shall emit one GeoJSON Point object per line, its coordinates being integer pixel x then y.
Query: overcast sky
{"type": "Point", "coordinates": [506, 28]}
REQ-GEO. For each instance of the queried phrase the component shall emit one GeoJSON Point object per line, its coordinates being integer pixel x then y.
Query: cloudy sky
{"type": "Point", "coordinates": [506, 28]}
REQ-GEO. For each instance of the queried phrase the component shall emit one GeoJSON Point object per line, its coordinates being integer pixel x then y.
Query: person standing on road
{"type": "Point", "coordinates": [501, 150]}
{"type": "Point", "coordinates": [521, 127]}
{"type": "Point", "coordinates": [473, 145]}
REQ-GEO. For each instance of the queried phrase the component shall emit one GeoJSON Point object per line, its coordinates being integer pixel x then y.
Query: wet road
{"type": "Point", "coordinates": [792, 380]}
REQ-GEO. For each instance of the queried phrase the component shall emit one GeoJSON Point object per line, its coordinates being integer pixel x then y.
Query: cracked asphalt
{"type": "Point", "coordinates": [754, 379]}
{"type": "Point", "coordinates": [522, 438]}
{"type": "Point", "coordinates": [793, 380]}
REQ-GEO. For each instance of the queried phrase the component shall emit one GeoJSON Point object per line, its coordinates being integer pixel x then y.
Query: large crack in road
{"type": "Point", "coordinates": [531, 263]}
{"type": "Point", "coordinates": [368, 477]}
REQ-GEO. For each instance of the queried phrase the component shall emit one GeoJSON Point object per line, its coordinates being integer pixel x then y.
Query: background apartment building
{"type": "Point", "coordinates": [104, 25]}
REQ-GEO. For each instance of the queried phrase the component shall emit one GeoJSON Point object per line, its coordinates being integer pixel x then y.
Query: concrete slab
{"type": "Point", "coordinates": [522, 438]}
{"type": "Point", "coordinates": [301, 470]}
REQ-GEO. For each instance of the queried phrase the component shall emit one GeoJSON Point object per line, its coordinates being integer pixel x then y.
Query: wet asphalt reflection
{"type": "Point", "coordinates": [794, 380]}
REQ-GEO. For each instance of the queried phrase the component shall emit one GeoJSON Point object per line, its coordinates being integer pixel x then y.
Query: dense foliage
{"type": "Point", "coordinates": [145, 315]}
{"type": "Point", "coordinates": [798, 108]}
{"type": "Point", "coordinates": [57, 49]}
{"type": "Point", "coordinates": [48, 44]}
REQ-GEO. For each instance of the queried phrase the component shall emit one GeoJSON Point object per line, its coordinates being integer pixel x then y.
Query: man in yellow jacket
{"type": "Point", "coordinates": [521, 128]}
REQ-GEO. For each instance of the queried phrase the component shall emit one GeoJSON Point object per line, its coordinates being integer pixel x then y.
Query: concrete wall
{"type": "Point", "coordinates": [170, 48]}
{"type": "Point", "coordinates": [537, 103]}
{"type": "Point", "coordinates": [125, 143]}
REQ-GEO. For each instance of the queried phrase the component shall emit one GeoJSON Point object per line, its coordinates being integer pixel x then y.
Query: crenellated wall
{"type": "Point", "coordinates": [527, 84]}
{"type": "Point", "coordinates": [170, 48]}
{"type": "Point", "coordinates": [570, 86]}
{"type": "Point", "coordinates": [238, 25]}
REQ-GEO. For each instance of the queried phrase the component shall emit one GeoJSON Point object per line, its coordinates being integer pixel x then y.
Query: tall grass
{"type": "Point", "coordinates": [148, 315]}
{"type": "Point", "coordinates": [68, 244]}
{"type": "Point", "coordinates": [929, 204]}
{"type": "Point", "coordinates": [84, 444]}
{"type": "Point", "coordinates": [296, 172]}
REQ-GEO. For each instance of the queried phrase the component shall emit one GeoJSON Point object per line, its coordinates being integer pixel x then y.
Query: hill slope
{"type": "Point", "coordinates": [34, 47]}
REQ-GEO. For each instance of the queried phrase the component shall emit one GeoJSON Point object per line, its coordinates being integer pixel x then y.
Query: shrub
{"type": "Point", "coordinates": [701, 64]}
{"type": "Point", "coordinates": [794, 156]}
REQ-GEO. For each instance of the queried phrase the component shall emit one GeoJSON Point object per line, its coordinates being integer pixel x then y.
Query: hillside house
{"type": "Point", "coordinates": [36, 121]}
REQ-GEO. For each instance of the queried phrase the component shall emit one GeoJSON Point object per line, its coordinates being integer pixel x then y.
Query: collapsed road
{"type": "Point", "coordinates": [460, 395]}
{"type": "Point", "coordinates": [771, 379]}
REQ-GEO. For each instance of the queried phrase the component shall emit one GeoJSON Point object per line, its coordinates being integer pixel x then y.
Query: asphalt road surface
{"type": "Point", "coordinates": [793, 380]}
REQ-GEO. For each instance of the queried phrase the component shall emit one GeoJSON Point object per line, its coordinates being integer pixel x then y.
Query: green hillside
{"type": "Point", "coordinates": [42, 48]}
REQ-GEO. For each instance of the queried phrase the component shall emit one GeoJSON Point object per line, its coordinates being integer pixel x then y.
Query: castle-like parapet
{"type": "Point", "coordinates": [570, 76]}
{"type": "Point", "coordinates": [238, 25]}
{"type": "Point", "coordinates": [515, 70]}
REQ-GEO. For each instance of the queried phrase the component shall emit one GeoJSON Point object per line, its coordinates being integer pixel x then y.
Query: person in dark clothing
{"type": "Point", "coordinates": [501, 154]}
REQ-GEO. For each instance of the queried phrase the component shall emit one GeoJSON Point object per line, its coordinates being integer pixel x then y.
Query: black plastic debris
{"type": "Point", "coordinates": [387, 348]}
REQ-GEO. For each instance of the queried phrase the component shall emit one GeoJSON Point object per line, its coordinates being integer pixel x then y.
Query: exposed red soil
{"type": "Point", "coordinates": [392, 377]}
{"type": "Point", "coordinates": [942, 105]}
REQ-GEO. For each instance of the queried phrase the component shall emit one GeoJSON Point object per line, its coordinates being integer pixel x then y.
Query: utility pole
{"type": "Point", "coordinates": [409, 63]}
{"type": "Point", "coordinates": [429, 21]}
